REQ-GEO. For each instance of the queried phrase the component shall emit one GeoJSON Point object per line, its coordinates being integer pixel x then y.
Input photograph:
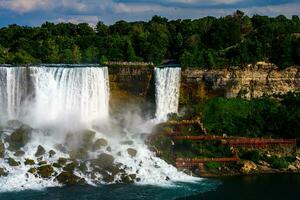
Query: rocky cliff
{"type": "Point", "coordinates": [249, 82]}
{"type": "Point", "coordinates": [132, 85]}
{"type": "Point", "coordinates": [135, 85]}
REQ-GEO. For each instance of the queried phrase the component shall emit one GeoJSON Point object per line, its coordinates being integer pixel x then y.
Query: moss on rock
{"type": "Point", "coordinates": [45, 171]}
{"type": "Point", "coordinates": [29, 162]}
{"type": "Point", "coordinates": [12, 162]}
{"type": "Point", "coordinates": [19, 138]}
{"type": "Point", "coordinates": [68, 178]}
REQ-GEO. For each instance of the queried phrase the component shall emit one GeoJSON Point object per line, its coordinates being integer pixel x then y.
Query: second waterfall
{"type": "Point", "coordinates": [167, 84]}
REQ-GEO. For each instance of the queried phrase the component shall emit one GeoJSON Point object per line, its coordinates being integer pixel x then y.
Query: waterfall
{"type": "Point", "coordinates": [64, 93]}
{"type": "Point", "coordinates": [167, 84]}
{"type": "Point", "coordinates": [13, 91]}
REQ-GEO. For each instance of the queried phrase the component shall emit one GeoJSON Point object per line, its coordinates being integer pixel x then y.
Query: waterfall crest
{"type": "Point", "coordinates": [167, 84]}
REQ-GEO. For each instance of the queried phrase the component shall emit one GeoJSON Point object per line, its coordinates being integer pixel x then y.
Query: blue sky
{"type": "Point", "coordinates": [35, 12]}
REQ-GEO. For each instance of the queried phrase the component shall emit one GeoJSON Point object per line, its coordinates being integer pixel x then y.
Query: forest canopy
{"type": "Point", "coordinates": [209, 42]}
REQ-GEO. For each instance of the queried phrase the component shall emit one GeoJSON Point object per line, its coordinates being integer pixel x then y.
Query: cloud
{"type": "Point", "coordinates": [25, 6]}
{"type": "Point", "coordinates": [35, 12]}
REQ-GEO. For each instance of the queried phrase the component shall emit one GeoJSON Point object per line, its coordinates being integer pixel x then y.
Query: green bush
{"type": "Point", "coordinates": [253, 155]}
{"type": "Point", "coordinates": [213, 165]}
{"type": "Point", "coordinates": [279, 164]}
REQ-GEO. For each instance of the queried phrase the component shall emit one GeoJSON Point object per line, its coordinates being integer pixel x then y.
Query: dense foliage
{"type": "Point", "coordinates": [256, 117]}
{"type": "Point", "coordinates": [207, 42]}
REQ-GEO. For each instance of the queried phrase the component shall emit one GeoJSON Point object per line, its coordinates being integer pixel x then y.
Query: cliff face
{"type": "Point", "coordinates": [130, 86]}
{"type": "Point", "coordinates": [250, 82]}
{"type": "Point", "coordinates": [136, 84]}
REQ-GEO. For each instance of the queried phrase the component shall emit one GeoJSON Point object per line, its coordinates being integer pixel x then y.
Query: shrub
{"type": "Point", "coordinates": [213, 165]}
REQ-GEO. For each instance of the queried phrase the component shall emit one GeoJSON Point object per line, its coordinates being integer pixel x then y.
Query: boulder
{"type": "Point", "coordinates": [2, 149]}
{"type": "Point", "coordinates": [70, 167]}
{"type": "Point", "coordinates": [99, 143]}
{"type": "Point", "coordinates": [128, 142]}
{"type": "Point", "coordinates": [51, 153]}
{"type": "Point", "coordinates": [29, 162]}
{"type": "Point", "coordinates": [19, 138]}
{"type": "Point", "coordinates": [12, 162]}
{"type": "Point", "coordinates": [56, 165]}
{"type": "Point", "coordinates": [292, 168]}
{"type": "Point", "coordinates": [87, 138]}
{"type": "Point", "coordinates": [68, 178]}
{"type": "Point", "coordinates": [32, 170]}
{"type": "Point", "coordinates": [3, 172]}
{"type": "Point", "coordinates": [103, 161]}
{"type": "Point", "coordinates": [132, 152]}
{"type": "Point", "coordinates": [248, 167]}
{"type": "Point", "coordinates": [62, 161]}
{"type": "Point", "coordinates": [19, 153]}
{"type": "Point", "coordinates": [80, 153]}
{"type": "Point", "coordinates": [45, 171]}
{"type": "Point", "coordinates": [40, 151]}
{"type": "Point", "coordinates": [43, 162]}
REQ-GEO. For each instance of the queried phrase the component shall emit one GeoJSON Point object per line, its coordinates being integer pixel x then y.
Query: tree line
{"type": "Point", "coordinates": [209, 42]}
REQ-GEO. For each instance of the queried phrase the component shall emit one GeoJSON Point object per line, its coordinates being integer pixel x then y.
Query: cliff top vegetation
{"type": "Point", "coordinates": [233, 40]}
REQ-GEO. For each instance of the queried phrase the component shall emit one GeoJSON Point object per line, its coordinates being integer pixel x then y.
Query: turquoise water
{"type": "Point", "coordinates": [248, 187]}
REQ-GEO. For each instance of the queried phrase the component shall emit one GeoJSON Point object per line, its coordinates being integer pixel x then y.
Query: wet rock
{"type": "Point", "coordinates": [56, 165]}
{"type": "Point", "coordinates": [32, 170]}
{"type": "Point", "coordinates": [12, 162]}
{"type": "Point", "coordinates": [87, 137]}
{"type": "Point", "coordinates": [99, 143]}
{"type": "Point", "coordinates": [43, 162]}
{"type": "Point", "coordinates": [68, 178]}
{"type": "Point", "coordinates": [126, 179]}
{"type": "Point", "coordinates": [2, 149]}
{"type": "Point", "coordinates": [62, 161]}
{"type": "Point", "coordinates": [132, 152]}
{"type": "Point", "coordinates": [19, 153]}
{"type": "Point", "coordinates": [40, 151]}
{"type": "Point", "coordinates": [82, 167]}
{"type": "Point", "coordinates": [3, 172]}
{"type": "Point", "coordinates": [128, 142]}
{"type": "Point", "coordinates": [19, 138]}
{"type": "Point", "coordinates": [80, 153]}
{"type": "Point", "coordinates": [108, 149]}
{"type": "Point", "coordinates": [45, 171]}
{"type": "Point", "coordinates": [51, 153]}
{"type": "Point", "coordinates": [103, 161]}
{"type": "Point", "coordinates": [70, 167]}
{"type": "Point", "coordinates": [29, 162]}
{"type": "Point", "coordinates": [248, 166]}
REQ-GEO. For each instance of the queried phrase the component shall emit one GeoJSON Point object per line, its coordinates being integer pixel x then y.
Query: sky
{"type": "Point", "coordinates": [36, 12]}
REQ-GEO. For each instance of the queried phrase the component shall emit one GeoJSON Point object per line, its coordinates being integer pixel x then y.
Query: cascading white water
{"type": "Point", "coordinates": [13, 90]}
{"type": "Point", "coordinates": [62, 94]}
{"type": "Point", "coordinates": [68, 93]}
{"type": "Point", "coordinates": [167, 85]}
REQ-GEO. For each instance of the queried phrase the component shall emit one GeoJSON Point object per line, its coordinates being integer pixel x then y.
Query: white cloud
{"type": "Point", "coordinates": [25, 6]}
{"type": "Point", "coordinates": [92, 20]}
